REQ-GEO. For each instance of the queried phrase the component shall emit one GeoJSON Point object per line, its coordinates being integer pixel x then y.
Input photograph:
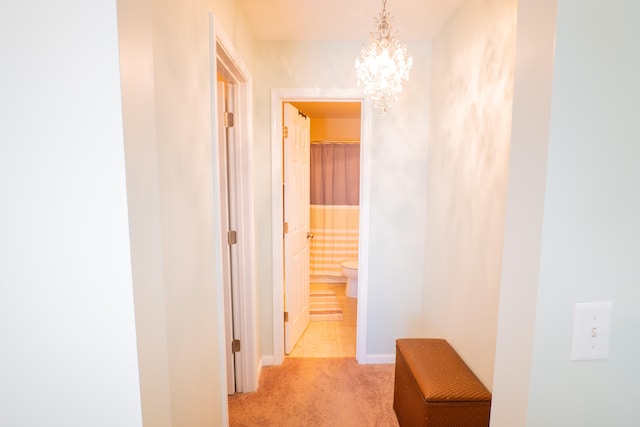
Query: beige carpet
{"type": "Point", "coordinates": [318, 392]}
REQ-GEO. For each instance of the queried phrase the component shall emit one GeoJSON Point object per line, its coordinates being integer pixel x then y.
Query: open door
{"type": "Point", "coordinates": [296, 140]}
{"type": "Point", "coordinates": [228, 191]}
{"type": "Point", "coordinates": [232, 187]}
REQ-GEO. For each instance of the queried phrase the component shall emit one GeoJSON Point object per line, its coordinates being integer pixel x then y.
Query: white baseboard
{"type": "Point", "coordinates": [268, 360]}
{"type": "Point", "coordinates": [259, 374]}
{"type": "Point", "coordinates": [380, 359]}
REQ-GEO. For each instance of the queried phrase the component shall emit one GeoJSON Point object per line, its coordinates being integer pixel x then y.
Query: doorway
{"type": "Point", "coordinates": [279, 96]}
{"type": "Point", "coordinates": [333, 227]}
{"type": "Point", "coordinates": [232, 187]}
{"type": "Point", "coordinates": [228, 224]}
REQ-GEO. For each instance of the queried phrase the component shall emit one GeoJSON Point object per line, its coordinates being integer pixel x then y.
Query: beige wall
{"type": "Point", "coordinates": [525, 206]}
{"type": "Point", "coordinates": [165, 63]}
{"type": "Point", "coordinates": [472, 80]}
{"type": "Point", "coordinates": [334, 129]}
{"type": "Point", "coordinates": [399, 153]}
{"type": "Point", "coordinates": [68, 344]}
{"type": "Point", "coordinates": [572, 228]}
{"type": "Point", "coordinates": [591, 230]}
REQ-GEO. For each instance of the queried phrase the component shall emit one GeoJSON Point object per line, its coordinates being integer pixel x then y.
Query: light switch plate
{"type": "Point", "coordinates": [591, 330]}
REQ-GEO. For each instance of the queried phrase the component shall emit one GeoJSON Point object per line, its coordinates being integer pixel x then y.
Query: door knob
{"type": "Point", "coordinates": [309, 235]}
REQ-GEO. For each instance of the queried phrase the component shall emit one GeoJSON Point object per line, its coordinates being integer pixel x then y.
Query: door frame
{"type": "Point", "coordinates": [248, 364]}
{"type": "Point", "coordinates": [278, 96]}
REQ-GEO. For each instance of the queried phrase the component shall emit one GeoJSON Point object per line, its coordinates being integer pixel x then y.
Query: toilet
{"type": "Point", "coordinates": [350, 271]}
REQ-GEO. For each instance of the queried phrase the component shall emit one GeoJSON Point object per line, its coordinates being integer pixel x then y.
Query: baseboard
{"type": "Point", "coordinates": [268, 360]}
{"type": "Point", "coordinates": [259, 374]}
{"type": "Point", "coordinates": [380, 359]}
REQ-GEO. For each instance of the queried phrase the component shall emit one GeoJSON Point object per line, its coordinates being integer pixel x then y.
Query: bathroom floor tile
{"type": "Point", "coordinates": [330, 339]}
{"type": "Point", "coordinates": [320, 332]}
{"type": "Point", "coordinates": [347, 350]}
{"type": "Point", "coordinates": [326, 349]}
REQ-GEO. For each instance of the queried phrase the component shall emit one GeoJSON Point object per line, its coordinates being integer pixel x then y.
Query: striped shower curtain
{"type": "Point", "coordinates": [335, 194]}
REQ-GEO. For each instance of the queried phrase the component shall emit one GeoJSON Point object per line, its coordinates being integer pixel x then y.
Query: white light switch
{"type": "Point", "coordinates": [591, 330]}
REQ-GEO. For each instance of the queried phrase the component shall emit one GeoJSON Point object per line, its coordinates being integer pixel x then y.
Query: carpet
{"type": "Point", "coordinates": [318, 392]}
{"type": "Point", "coordinates": [324, 306]}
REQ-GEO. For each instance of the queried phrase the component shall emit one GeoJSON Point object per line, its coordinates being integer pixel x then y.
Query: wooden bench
{"type": "Point", "coordinates": [434, 387]}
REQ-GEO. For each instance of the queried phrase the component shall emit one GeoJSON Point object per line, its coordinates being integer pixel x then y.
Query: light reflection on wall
{"type": "Point", "coordinates": [472, 86]}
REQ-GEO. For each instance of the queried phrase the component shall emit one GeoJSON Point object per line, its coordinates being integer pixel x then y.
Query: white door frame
{"type": "Point", "coordinates": [246, 324]}
{"type": "Point", "coordinates": [278, 96]}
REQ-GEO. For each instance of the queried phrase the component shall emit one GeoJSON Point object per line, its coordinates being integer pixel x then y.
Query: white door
{"type": "Point", "coordinates": [296, 218]}
{"type": "Point", "coordinates": [226, 160]}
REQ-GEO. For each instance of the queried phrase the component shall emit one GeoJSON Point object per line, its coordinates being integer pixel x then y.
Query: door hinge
{"type": "Point", "coordinates": [285, 227]}
{"type": "Point", "coordinates": [285, 132]}
{"type": "Point", "coordinates": [232, 237]}
{"type": "Point", "coordinates": [286, 316]}
{"type": "Point", "coordinates": [228, 119]}
{"type": "Point", "coordinates": [235, 346]}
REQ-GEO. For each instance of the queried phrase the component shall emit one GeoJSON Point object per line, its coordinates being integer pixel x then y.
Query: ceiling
{"type": "Point", "coordinates": [344, 20]}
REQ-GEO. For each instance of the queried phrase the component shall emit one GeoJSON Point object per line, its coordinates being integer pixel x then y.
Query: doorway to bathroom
{"type": "Point", "coordinates": [355, 315]}
{"type": "Point", "coordinates": [333, 224]}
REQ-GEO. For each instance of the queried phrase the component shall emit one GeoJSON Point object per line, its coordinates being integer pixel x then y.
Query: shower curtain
{"type": "Point", "coordinates": [334, 216]}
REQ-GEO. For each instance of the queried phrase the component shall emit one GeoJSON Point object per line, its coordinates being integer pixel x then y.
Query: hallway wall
{"type": "Point", "coordinates": [166, 76]}
{"type": "Point", "coordinates": [399, 182]}
{"type": "Point", "coordinates": [472, 92]}
{"type": "Point", "coordinates": [591, 231]}
{"type": "Point", "coordinates": [67, 331]}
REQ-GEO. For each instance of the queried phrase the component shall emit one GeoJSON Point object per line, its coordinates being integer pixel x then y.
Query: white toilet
{"type": "Point", "coordinates": [350, 271]}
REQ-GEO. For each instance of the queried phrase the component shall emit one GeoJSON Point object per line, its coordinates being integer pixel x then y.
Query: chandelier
{"type": "Point", "coordinates": [383, 64]}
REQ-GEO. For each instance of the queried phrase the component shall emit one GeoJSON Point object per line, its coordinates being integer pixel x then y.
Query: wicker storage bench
{"type": "Point", "coordinates": [434, 387]}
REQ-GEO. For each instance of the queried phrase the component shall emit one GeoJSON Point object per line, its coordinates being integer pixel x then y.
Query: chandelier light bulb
{"type": "Point", "coordinates": [383, 63]}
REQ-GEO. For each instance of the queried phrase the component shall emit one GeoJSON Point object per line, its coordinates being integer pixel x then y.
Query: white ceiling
{"type": "Point", "coordinates": [345, 20]}
{"type": "Point", "coordinates": [342, 20]}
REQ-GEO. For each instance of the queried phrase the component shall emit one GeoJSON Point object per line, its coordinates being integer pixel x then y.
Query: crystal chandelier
{"type": "Point", "coordinates": [383, 64]}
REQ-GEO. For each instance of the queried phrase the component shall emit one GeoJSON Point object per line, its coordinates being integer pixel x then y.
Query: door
{"type": "Point", "coordinates": [297, 139]}
{"type": "Point", "coordinates": [228, 192]}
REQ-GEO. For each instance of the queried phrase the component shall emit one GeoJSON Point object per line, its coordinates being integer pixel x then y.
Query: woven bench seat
{"type": "Point", "coordinates": [434, 387]}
